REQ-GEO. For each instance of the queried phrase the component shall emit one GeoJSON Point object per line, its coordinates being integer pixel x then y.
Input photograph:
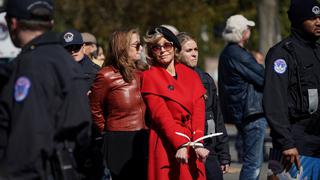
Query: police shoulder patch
{"type": "Point", "coordinates": [280, 66]}
{"type": "Point", "coordinates": [21, 88]}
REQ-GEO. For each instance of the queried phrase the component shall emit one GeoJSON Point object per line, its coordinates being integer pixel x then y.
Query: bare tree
{"type": "Point", "coordinates": [269, 26]}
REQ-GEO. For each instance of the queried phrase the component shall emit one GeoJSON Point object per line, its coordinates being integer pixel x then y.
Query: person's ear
{"type": "Point", "coordinates": [12, 23]}
{"type": "Point", "coordinates": [245, 33]}
{"type": "Point", "coordinates": [83, 49]}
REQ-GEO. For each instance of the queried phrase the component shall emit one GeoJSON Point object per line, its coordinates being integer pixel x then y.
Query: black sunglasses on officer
{"type": "Point", "coordinates": [73, 48]}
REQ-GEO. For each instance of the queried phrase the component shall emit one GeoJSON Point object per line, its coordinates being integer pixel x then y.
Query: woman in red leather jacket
{"type": "Point", "coordinates": [174, 97]}
{"type": "Point", "coordinates": [118, 109]}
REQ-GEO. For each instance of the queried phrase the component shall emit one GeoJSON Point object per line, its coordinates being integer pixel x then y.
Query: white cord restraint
{"type": "Point", "coordinates": [195, 144]}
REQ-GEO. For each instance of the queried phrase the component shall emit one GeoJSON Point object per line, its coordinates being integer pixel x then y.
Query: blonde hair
{"type": "Point", "coordinates": [184, 37]}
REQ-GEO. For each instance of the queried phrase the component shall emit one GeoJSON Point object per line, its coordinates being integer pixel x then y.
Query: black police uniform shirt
{"type": "Point", "coordinates": [287, 110]}
{"type": "Point", "coordinates": [44, 103]}
{"type": "Point", "coordinates": [90, 69]}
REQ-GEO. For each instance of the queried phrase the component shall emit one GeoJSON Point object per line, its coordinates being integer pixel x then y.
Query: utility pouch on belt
{"type": "Point", "coordinates": [63, 163]}
{"type": "Point", "coordinates": [313, 100]}
{"type": "Point", "coordinates": [210, 124]}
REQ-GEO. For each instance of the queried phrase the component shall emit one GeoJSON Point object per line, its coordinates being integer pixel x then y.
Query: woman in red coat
{"type": "Point", "coordinates": [174, 97]}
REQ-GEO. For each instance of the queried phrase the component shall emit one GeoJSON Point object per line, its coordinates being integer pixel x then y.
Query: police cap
{"type": "Point", "coordinates": [71, 37]}
{"type": "Point", "coordinates": [301, 10]}
{"type": "Point", "coordinates": [28, 9]}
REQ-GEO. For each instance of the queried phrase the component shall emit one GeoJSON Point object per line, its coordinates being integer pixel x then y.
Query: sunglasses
{"type": "Point", "coordinates": [137, 45]}
{"type": "Point", "coordinates": [73, 48]}
{"type": "Point", "coordinates": [167, 46]}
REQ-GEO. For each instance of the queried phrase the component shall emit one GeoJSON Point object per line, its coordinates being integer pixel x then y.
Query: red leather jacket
{"type": "Point", "coordinates": [115, 104]}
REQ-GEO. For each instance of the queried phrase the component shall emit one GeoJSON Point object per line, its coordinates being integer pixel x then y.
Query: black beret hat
{"type": "Point", "coordinates": [301, 10]}
{"type": "Point", "coordinates": [167, 34]}
{"type": "Point", "coordinates": [24, 9]}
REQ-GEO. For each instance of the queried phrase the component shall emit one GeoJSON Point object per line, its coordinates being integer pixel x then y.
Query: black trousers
{"type": "Point", "coordinates": [126, 154]}
{"type": "Point", "coordinates": [213, 169]}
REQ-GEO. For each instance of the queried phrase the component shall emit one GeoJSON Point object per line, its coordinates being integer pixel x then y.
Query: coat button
{"type": "Point", "coordinates": [170, 87]}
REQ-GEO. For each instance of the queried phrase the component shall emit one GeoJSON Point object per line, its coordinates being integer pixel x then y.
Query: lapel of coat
{"type": "Point", "coordinates": [159, 82]}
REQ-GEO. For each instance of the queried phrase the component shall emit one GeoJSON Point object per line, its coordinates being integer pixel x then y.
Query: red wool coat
{"type": "Point", "coordinates": [174, 105]}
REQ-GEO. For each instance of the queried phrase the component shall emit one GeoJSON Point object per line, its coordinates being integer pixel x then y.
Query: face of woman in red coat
{"type": "Point", "coordinates": [163, 52]}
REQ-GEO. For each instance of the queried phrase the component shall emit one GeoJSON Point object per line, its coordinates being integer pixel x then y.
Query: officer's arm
{"type": "Point", "coordinates": [250, 70]}
{"type": "Point", "coordinates": [275, 99]}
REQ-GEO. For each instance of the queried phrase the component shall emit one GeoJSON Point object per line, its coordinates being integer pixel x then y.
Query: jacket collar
{"type": "Point", "coordinates": [44, 39]}
{"type": "Point", "coordinates": [304, 37]}
{"type": "Point", "coordinates": [158, 81]}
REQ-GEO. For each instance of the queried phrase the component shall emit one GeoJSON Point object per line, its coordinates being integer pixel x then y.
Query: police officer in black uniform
{"type": "Point", "coordinates": [292, 84]}
{"type": "Point", "coordinates": [91, 162]}
{"type": "Point", "coordinates": [44, 110]}
{"type": "Point", "coordinates": [72, 41]}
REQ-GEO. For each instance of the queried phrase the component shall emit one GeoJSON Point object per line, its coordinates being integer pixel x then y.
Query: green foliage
{"type": "Point", "coordinates": [198, 17]}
